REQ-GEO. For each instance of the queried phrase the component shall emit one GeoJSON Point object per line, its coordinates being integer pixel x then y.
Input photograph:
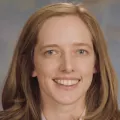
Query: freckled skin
{"type": "Point", "coordinates": [71, 55]}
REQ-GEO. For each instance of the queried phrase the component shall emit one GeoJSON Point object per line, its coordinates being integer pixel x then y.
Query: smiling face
{"type": "Point", "coordinates": [64, 59]}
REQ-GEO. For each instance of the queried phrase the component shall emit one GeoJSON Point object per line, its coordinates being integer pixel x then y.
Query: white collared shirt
{"type": "Point", "coordinates": [43, 117]}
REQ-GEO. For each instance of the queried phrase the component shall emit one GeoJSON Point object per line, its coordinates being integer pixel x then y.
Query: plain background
{"type": "Point", "coordinates": [14, 13]}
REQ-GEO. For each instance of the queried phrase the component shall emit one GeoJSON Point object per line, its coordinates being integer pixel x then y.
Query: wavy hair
{"type": "Point", "coordinates": [21, 98]}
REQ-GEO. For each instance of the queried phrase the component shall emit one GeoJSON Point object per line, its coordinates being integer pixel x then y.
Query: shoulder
{"type": "Point", "coordinates": [118, 115]}
{"type": "Point", "coordinates": [9, 115]}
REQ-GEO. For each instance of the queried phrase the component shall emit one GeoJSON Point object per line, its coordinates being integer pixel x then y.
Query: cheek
{"type": "Point", "coordinates": [45, 71]}
{"type": "Point", "coordinates": [46, 66]}
{"type": "Point", "coordinates": [87, 70]}
{"type": "Point", "coordinates": [85, 66]}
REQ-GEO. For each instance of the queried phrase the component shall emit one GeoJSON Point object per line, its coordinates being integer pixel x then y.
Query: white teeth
{"type": "Point", "coordinates": [67, 82]}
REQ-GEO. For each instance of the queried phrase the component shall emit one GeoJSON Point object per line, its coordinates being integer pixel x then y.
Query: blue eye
{"type": "Point", "coordinates": [50, 52]}
{"type": "Point", "coordinates": [81, 51]}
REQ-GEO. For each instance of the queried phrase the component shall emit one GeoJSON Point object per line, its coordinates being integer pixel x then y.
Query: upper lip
{"type": "Point", "coordinates": [66, 78]}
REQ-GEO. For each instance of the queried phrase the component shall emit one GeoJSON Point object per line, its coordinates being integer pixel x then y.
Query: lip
{"type": "Point", "coordinates": [64, 87]}
{"type": "Point", "coordinates": [66, 78]}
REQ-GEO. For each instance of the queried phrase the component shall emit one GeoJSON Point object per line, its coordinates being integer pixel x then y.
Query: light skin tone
{"type": "Point", "coordinates": [64, 52]}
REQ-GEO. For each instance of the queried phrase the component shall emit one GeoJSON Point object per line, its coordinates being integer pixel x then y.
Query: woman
{"type": "Point", "coordinates": [60, 69]}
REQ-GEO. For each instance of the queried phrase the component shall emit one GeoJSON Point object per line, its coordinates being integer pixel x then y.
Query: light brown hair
{"type": "Point", "coordinates": [21, 96]}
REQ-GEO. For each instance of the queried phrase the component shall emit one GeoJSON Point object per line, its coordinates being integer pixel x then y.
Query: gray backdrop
{"type": "Point", "coordinates": [14, 13]}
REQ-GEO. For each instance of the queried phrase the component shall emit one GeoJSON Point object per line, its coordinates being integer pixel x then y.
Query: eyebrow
{"type": "Point", "coordinates": [83, 44]}
{"type": "Point", "coordinates": [74, 44]}
{"type": "Point", "coordinates": [47, 46]}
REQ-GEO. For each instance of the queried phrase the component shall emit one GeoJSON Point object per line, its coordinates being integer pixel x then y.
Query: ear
{"type": "Point", "coordinates": [96, 69]}
{"type": "Point", "coordinates": [34, 74]}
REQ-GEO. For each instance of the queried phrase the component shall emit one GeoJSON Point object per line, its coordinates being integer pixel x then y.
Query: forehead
{"type": "Point", "coordinates": [64, 30]}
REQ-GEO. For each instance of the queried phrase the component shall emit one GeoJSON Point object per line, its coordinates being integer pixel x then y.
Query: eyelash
{"type": "Point", "coordinates": [48, 52]}
{"type": "Point", "coordinates": [51, 52]}
{"type": "Point", "coordinates": [85, 51]}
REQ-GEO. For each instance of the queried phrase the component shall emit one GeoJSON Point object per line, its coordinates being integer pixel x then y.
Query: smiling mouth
{"type": "Point", "coordinates": [66, 82]}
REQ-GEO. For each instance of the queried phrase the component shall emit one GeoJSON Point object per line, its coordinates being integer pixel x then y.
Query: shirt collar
{"type": "Point", "coordinates": [43, 117]}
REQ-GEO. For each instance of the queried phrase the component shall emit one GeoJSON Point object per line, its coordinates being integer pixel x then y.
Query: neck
{"type": "Point", "coordinates": [56, 111]}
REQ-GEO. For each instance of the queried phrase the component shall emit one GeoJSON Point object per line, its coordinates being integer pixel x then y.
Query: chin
{"type": "Point", "coordinates": [67, 100]}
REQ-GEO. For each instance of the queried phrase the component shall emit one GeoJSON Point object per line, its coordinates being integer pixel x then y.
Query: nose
{"type": "Point", "coordinates": [66, 64]}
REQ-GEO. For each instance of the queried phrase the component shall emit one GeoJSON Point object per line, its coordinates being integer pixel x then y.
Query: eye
{"type": "Point", "coordinates": [50, 52]}
{"type": "Point", "coordinates": [82, 51]}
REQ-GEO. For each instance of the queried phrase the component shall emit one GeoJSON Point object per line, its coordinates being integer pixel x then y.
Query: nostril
{"type": "Point", "coordinates": [66, 68]}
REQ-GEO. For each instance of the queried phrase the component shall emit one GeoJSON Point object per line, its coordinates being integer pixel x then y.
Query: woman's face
{"type": "Point", "coordinates": [64, 59]}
